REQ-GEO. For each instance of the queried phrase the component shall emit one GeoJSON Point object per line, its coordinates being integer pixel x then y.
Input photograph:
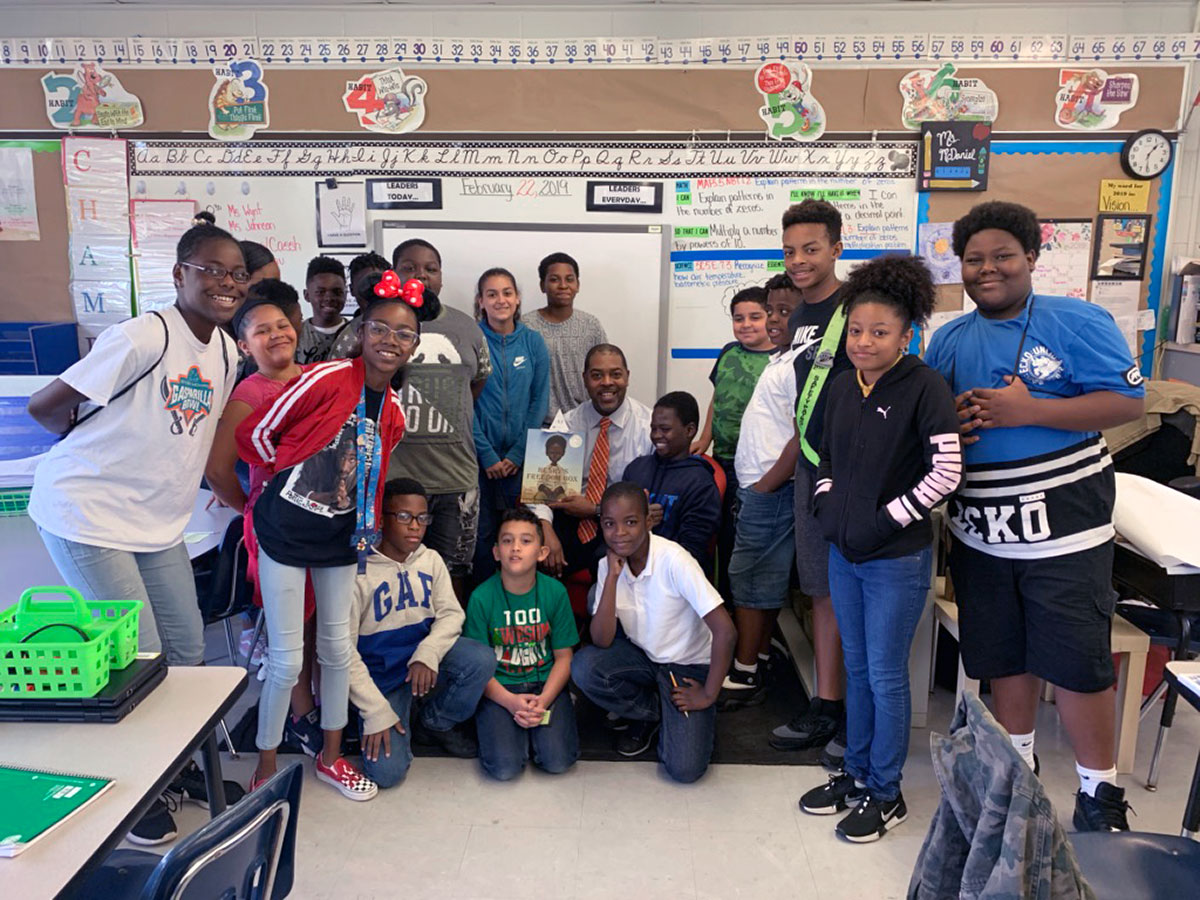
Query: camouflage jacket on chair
{"type": "Point", "coordinates": [995, 835]}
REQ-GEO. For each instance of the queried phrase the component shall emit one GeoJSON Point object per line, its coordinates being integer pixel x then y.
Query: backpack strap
{"type": "Point", "coordinates": [125, 390]}
{"type": "Point", "coordinates": [817, 374]}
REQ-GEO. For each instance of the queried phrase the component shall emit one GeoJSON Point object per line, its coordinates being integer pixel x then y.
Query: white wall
{"type": "Point", "coordinates": [107, 18]}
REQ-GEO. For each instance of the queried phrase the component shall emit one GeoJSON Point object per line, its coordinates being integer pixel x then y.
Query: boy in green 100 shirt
{"type": "Point", "coordinates": [526, 617]}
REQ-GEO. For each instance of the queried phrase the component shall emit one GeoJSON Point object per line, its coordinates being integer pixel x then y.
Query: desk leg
{"type": "Point", "coordinates": [212, 775]}
{"type": "Point", "coordinates": [1168, 713]}
{"type": "Point", "coordinates": [1191, 814]}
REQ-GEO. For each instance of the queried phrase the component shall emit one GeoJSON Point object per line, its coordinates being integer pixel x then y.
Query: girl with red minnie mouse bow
{"type": "Point", "coordinates": [325, 443]}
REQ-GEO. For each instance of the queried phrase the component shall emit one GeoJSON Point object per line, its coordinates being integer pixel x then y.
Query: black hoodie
{"type": "Point", "coordinates": [691, 503]}
{"type": "Point", "coordinates": [887, 460]}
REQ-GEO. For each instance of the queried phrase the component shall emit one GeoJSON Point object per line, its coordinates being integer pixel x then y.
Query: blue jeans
{"type": "Point", "coordinates": [462, 675]}
{"type": "Point", "coordinates": [283, 605]}
{"type": "Point", "coordinates": [760, 568]}
{"type": "Point", "coordinates": [624, 680]}
{"type": "Point", "coordinates": [170, 618]}
{"type": "Point", "coordinates": [504, 745]}
{"type": "Point", "coordinates": [878, 605]}
{"type": "Point", "coordinates": [495, 496]}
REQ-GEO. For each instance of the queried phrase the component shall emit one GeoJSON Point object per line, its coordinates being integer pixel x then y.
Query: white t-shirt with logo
{"type": "Point", "coordinates": [769, 420]}
{"type": "Point", "coordinates": [127, 477]}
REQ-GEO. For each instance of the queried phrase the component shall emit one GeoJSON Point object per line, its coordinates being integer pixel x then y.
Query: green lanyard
{"type": "Point", "coordinates": [819, 371]}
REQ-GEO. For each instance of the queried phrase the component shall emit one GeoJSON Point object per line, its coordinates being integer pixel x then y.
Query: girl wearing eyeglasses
{"type": "Point", "coordinates": [325, 443]}
{"type": "Point", "coordinates": [513, 400]}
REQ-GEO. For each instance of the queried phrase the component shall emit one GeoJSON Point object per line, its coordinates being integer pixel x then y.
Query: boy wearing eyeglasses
{"type": "Point", "coordinates": [406, 628]}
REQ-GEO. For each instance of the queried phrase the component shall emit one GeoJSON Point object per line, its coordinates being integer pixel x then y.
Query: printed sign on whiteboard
{"type": "Point", "coordinates": [404, 193]}
{"type": "Point", "coordinates": [388, 102]}
{"type": "Point", "coordinates": [624, 196]}
{"type": "Point", "coordinates": [237, 105]}
{"type": "Point", "coordinates": [341, 214]}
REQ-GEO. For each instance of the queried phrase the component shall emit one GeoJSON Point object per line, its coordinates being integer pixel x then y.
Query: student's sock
{"type": "Point", "coordinates": [1023, 743]}
{"type": "Point", "coordinates": [742, 667]}
{"type": "Point", "coordinates": [1089, 778]}
{"type": "Point", "coordinates": [735, 684]}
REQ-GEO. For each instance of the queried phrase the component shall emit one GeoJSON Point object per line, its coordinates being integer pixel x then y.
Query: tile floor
{"type": "Point", "coordinates": [620, 829]}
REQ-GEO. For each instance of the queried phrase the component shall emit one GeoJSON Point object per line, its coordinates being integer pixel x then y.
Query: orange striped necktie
{"type": "Point", "coordinates": [597, 481]}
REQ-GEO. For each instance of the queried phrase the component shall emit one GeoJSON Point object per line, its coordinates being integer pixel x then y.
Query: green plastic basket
{"type": "Point", "coordinates": [14, 501]}
{"type": "Point", "coordinates": [36, 661]}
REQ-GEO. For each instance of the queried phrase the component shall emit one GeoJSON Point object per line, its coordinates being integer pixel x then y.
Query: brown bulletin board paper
{"type": "Point", "coordinates": [34, 286]}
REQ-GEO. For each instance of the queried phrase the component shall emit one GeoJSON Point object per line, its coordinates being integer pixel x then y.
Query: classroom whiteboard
{"type": "Point", "coordinates": [622, 277]}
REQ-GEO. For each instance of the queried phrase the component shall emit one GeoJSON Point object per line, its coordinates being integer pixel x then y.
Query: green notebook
{"type": "Point", "coordinates": [37, 802]}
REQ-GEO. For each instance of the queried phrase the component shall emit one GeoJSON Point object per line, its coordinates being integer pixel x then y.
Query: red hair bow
{"type": "Point", "coordinates": [411, 292]}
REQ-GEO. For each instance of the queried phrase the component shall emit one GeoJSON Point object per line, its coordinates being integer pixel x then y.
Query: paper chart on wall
{"type": "Point", "coordinates": [157, 227]}
{"type": "Point", "coordinates": [18, 202]}
{"type": "Point", "coordinates": [341, 214]}
{"type": "Point", "coordinates": [938, 251]}
{"type": "Point", "coordinates": [1065, 258]}
{"type": "Point", "coordinates": [1121, 299]}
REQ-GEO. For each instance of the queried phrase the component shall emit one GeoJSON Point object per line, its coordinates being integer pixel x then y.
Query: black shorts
{"type": "Point", "coordinates": [1049, 617]}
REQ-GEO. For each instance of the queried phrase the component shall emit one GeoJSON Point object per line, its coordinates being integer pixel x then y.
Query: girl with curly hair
{"type": "Point", "coordinates": [889, 454]}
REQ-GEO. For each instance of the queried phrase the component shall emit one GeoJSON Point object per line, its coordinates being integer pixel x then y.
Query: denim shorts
{"type": "Point", "coordinates": [760, 568]}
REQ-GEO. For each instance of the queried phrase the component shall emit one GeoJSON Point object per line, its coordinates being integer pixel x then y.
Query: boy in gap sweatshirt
{"type": "Point", "coordinates": [685, 505]}
{"type": "Point", "coordinates": [406, 626]}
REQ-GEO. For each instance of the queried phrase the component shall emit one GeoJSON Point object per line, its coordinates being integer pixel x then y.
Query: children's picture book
{"type": "Point", "coordinates": [553, 465]}
{"type": "Point", "coordinates": [37, 802]}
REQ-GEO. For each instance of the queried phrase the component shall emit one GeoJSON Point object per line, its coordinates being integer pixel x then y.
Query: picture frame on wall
{"type": "Point", "coordinates": [1120, 246]}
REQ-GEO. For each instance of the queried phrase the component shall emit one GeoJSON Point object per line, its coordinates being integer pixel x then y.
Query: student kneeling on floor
{"type": "Point", "coordinates": [405, 626]}
{"type": "Point", "coordinates": [662, 640]}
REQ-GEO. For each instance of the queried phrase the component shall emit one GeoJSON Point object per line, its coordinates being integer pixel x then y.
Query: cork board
{"type": "Point", "coordinates": [36, 273]}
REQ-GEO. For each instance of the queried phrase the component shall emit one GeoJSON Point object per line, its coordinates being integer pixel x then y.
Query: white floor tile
{"type": "Point", "coordinates": [755, 865]}
{"type": "Point", "coordinates": [621, 861]}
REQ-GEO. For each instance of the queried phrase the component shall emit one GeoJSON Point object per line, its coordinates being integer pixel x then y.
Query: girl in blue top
{"type": "Point", "coordinates": [514, 399]}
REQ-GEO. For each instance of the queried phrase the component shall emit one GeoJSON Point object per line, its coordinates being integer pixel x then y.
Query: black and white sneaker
{"type": "Point", "coordinates": [872, 819]}
{"type": "Point", "coordinates": [833, 755]}
{"type": "Point", "coordinates": [838, 794]}
{"type": "Point", "coordinates": [191, 786]}
{"type": "Point", "coordinates": [812, 728]}
{"type": "Point", "coordinates": [457, 741]}
{"type": "Point", "coordinates": [741, 689]}
{"type": "Point", "coordinates": [1107, 811]}
{"type": "Point", "coordinates": [305, 732]}
{"type": "Point", "coordinates": [636, 739]}
{"type": "Point", "coordinates": [613, 722]}
{"type": "Point", "coordinates": [157, 826]}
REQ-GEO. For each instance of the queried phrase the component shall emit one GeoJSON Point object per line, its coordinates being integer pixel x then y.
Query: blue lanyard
{"type": "Point", "coordinates": [368, 463]}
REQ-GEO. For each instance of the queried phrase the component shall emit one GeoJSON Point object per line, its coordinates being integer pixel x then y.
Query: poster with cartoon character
{"type": "Point", "coordinates": [1093, 100]}
{"type": "Point", "coordinates": [90, 99]}
{"type": "Point", "coordinates": [237, 104]}
{"type": "Point", "coordinates": [939, 95]}
{"type": "Point", "coordinates": [789, 109]}
{"type": "Point", "coordinates": [388, 102]}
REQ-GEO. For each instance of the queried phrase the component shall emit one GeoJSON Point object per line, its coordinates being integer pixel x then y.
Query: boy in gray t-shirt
{"type": "Point", "coordinates": [569, 333]}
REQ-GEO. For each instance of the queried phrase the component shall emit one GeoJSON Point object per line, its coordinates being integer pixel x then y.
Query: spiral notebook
{"type": "Point", "coordinates": [36, 802]}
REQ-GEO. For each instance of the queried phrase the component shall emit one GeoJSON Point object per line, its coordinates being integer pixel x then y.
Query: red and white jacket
{"type": "Point", "coordinates": [309, 414]}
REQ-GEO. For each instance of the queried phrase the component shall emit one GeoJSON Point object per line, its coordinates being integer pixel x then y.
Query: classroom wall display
{"type": "Point", "coordinates": [90, 99]}
{"type": "Point", "coordinates": [1064, 259]}
{"type": "Point", "coordinates": [404, 193]}
{"type": "Point", "coordinates": [1121, 247]}
{"type": "Point", "coordinates": [789, 109]}
{"type": "Point", "coordinates": [954, 156]}
{"type": "Point", "coordinates": [238, 103]}
{"type": "Point", "coordinates": [387, 102]}
{"type": "Point", "coordinates": [1124, 195]}
{"type": "Point", "coordinates": [18, 195]}
{"type": "Point", "coordinates": [941, 95]}
{"type": "Point", "coordinates": [341, 213]}
{"type": "Point", "coordinates": [935, 244]}
{"type": "Point", "coordinates": [1093, 100]}
{"type": "Point", "coordinates": [157, 226]}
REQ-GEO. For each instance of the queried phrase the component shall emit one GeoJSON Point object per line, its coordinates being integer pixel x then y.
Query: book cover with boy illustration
{"type": "Point", "coordinates": [553, 466]}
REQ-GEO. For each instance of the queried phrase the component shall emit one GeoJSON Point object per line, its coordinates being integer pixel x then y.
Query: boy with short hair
{"type": "Point", "coordinates": [406, 625]}
{"type": "Point", "coordinates": [526, 617]}
{"type": "Point", "coordinates": [685, 504]}
{"type": "Point", "coordinates": [1036, 379]}
{"type": "Point", "coordinates": [325, 291]}
{"type": "Point", "coordinates": [552, 478]}
{"type": "Point", "coordinates": [661, 640]}
{"type": "Point", "coordinates": [345, 341]}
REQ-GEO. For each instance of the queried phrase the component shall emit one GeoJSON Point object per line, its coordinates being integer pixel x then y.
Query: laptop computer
{"type": "Point", "coordinates": [126, 688]}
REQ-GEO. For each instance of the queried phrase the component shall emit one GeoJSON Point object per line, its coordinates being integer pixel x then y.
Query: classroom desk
{"type": "Point", "coordinates": [1184, 677]}
{"type": "Point", "coordinates": [142, 752]}
{"type": "Point", "coordinates": [1176, 590]}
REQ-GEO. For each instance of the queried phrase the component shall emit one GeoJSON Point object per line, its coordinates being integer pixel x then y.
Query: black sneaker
{"type": "Point", "coordinates": [456, 741]}
{"type": "Point", "coordinates": [637, 739]}
{"type": "Point", "coordinates": [305, 732]}
{"type": "Point", "coordinates": [741, 689]}
{"type": "Point", "coordinates": [191, 786]}
{"type": "Point", "coordinates": [812, 728]}
{"type": "Point", "coordinates": [613, 722]}
{"type": "Point", "coordinates": [872, 819]}
{"type": "Point", "coordinates": [1104, 812]}
{"type": "Point", "coordinates": [157, 826]}
{"type": "Point", "coordinates": [838, 794]}
{"type": "Point", "coordinates": [833, 754]}
{"type": "Point", "coordinates": [1037, 766]}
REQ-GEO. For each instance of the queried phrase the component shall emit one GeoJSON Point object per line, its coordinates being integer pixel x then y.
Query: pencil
{"type": "Point", "coordinates": [675, 684]}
